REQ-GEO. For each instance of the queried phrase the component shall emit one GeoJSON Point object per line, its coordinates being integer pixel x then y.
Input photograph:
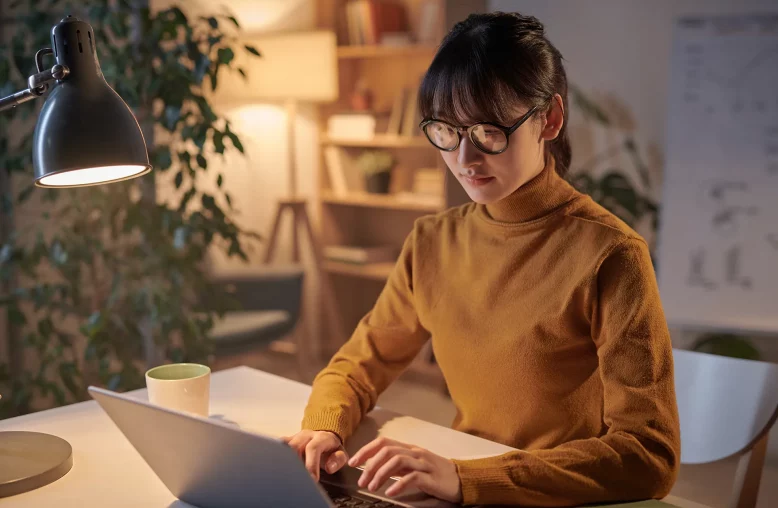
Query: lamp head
{"type": "Point", "coordinates": [86, 134]}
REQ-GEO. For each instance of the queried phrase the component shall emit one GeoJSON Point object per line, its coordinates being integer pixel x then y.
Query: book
{"type": "Point", "coordinates": [361, 255]}
{"type": "Point", "coordinates": [410, 122]}
{"type": "Point", "coordinates": [394, 126]}
{"type": "Point", "coordinates": [369, 20]}
{"type": "Point", "coordinates": [335, 170]}
{"type": "Point", "coordinates": [427, 28]}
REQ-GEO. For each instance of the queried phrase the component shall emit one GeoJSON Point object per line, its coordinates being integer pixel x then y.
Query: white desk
{"type": "Point", "coordinates": [108, 472]}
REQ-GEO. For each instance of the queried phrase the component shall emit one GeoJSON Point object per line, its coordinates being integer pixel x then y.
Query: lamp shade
{"type": "Point", "coordinates": [294, 65]}
{"type": "Point", "coordinates": [86, 134]}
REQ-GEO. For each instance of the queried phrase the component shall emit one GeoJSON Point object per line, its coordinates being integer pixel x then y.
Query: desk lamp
{"type": "Point", "coordinates": [85, 135]}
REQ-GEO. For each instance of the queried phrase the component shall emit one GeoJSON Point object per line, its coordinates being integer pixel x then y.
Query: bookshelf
{"type": "Point", "coordinates": [379, 141]}
{"type": "Point", "coordinates": [356, 217]}
{"type": "Point", "coordinates": [378, 51]}
{"type": "Point", "coordinates": [371, 271]}
{"type": "Point", "coordinates": [391, 202]}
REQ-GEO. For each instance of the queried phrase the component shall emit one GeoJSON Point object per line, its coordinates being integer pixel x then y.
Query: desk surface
{"type": "Point", "coordinates": [107, 471]}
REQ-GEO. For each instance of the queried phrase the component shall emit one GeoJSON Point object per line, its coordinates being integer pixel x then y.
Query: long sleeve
{"type": "Point", "coordinates": [638, 456]}
{"type": "Point", "coordinates": [384, 343]}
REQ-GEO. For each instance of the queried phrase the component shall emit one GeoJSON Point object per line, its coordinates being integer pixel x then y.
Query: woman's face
{"type": "Point", "coordinates": [490, 178]}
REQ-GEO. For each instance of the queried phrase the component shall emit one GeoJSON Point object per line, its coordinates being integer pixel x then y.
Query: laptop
{"type": "Point", "coordinates": [212, 464]}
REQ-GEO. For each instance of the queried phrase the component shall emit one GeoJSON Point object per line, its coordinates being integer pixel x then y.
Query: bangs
{"type": "Point", "coordinates": [462, 88]}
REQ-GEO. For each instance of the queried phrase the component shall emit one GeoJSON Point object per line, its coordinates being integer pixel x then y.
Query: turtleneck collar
{"type": "Point", "coordinates": [535, 199]}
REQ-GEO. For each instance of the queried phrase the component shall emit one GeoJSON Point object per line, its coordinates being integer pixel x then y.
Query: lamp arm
{"type": "Point", "coordinates": [38, 83]}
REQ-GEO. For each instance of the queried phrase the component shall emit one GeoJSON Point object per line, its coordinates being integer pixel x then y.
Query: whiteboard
{"type": "Point", "coordinates": [718, 237]}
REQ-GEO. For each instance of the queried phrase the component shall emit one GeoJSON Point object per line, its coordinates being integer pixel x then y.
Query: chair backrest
{"type": "Point", "coordinates": [725, 404]}
{"type": "Point", "coordinates": [266, 287]}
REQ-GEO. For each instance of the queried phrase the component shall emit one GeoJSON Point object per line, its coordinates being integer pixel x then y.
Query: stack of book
{"type": "Point", "coordinates": [377, 22]}
{"type": "Point", "coordinates": [428, 182]}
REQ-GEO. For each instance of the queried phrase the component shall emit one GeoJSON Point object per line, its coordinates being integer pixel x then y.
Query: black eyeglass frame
{"type": "Point", "coordinates": [507, 131]}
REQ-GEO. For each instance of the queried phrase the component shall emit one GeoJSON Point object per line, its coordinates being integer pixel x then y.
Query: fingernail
{"type": "Point", "coordinates": [351, 461]}
{"type": "Point", "coordinates": [371, 487]}
{"type": "Point", "coordinates": [331, 466]}
{"type": "Point", "coordinates": [361, 481]}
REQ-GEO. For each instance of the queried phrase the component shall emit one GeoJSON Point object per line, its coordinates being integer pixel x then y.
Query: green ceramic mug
{"type": "Point", "coordinates": [180, 386]}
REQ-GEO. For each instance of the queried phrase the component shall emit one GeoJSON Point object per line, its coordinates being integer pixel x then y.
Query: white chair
{"type": "Point", "coordinates": [726, 407]}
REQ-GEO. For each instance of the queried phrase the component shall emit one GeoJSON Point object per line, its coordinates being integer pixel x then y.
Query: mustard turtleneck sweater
{"type": "Point", "coordinates": [546, 322]}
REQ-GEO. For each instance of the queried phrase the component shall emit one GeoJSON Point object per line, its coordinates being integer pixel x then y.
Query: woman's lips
{"type": "Point", "coordinates": [478, 181]}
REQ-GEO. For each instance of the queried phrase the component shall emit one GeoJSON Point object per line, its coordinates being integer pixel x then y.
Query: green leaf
{"type": "Point", "coordinates": [45, 327]}
{"type": "Point", "coordinates": [67, 373]}
{"type": "Point", "coordinates": [201, 161]}
{"type": "Point", "coordinates": [214, 80]}
{"type": "Point", "coordinates": [619, 196]}
{"type": "Point", "coordinates": [243, 73]}
{"type": "Point", "coordinates": [229, 199]}
{"type": "Point", "coordinates": [172, 115]}
{"type": "Point", "coordinates": [235, 141]}
{"type": "Point", "coordinates": [234, 20]}
{"type": "Point", "coordinates": [179, 179]}
{"type": "Point", "coordinates": [187, 197]}
{"type": "Point", "coordinates": [162, 157]}
{"type": "Point", "coordinates": [16, 317]}
{"type": "Point", "coordinates": [252, 50]}
{"type": "Point", "coordinates": [218, 142]}
{"type": "Point", "coordinates": [219, 180]}
{"type": "Point", "coordinates": [225, 55]}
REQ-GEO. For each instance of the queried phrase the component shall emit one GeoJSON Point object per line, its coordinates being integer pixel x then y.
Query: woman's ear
{"type": "Point", "coordinates": [555, 119]}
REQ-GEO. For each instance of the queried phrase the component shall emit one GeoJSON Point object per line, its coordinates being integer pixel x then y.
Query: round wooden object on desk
{"type": "Point", "coordinates": [30, 460]}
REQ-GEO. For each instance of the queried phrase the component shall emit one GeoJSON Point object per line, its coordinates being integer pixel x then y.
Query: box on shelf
{"type": "Point", "coordinates": [352, 126]}
{"type": "Point", "coordinates": [428, 181]}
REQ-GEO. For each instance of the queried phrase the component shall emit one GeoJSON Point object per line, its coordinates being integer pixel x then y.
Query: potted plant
{"type": "Point", "coordinates": [102, 281]}
{"type": "Point", "coordinates": [376, 165]}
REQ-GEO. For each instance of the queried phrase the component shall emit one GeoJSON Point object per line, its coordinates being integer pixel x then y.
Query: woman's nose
{"type": "Point", "coordinates": [468, 154]}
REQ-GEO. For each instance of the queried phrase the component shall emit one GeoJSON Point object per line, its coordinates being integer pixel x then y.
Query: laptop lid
{"type": "Point", "coordinates": [212, 464]}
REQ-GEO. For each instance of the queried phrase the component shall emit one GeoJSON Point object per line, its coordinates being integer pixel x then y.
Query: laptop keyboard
{"type": "Point", "coordinates": [342, 499]}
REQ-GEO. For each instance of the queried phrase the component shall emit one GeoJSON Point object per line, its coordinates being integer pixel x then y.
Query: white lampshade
{"type": "Point", "coordinates": [294, 65]}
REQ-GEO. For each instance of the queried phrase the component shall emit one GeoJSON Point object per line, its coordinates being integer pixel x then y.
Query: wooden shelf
{"type": "Point", "coordinates": [377, 51]}
{"type": "Point", "coordinates": [372, 271]}
{"type": "Point", "coordinates": [381, 141]}
{"type": "Point", "coordinates": [385, 201]}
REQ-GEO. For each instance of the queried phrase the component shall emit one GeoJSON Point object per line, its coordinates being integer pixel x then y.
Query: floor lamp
{"type": "Point", "coordinates": [295, 67]}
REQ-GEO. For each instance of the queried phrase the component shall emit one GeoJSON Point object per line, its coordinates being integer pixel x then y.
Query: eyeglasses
{"type": "Point", "coordinates": [490, 138]}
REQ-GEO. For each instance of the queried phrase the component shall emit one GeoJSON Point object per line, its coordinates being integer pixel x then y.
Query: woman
{"type": "Point", "coordinates": [542, 306]}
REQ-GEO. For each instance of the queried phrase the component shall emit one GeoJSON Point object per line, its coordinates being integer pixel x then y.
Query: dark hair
{"type": "Point", "coordinates": [490, 63]}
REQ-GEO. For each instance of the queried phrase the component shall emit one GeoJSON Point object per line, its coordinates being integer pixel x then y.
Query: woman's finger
{"type": "Point", "coordinates": [298, 444]}
{"type": "Point", "coordinates": [371, 449]}
{"type": "Point", "coordinates": [336, 461]}
{"type": "Point", "coordinates": [313, 452]}
{"type": "Point", "coordinates": [393, 467]}
{"type": "Point", "coordinates": [377, 461]}
{"type": "Point", "coordinates": [417, 479]}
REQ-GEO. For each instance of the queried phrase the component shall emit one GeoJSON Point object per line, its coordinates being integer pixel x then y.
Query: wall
{"type": "Point", "coordinates": [622, 48]}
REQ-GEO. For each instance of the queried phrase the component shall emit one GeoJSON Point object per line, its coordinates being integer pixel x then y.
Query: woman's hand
{"type": "Point", "coordinates": [317, 447]}
{"type": "Point", "coordinates": [419, 468]}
